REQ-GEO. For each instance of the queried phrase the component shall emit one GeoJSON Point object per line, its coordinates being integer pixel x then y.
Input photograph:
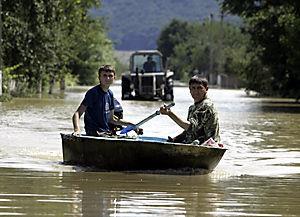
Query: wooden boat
{"type": "Point", "coordinates": [136, 154]}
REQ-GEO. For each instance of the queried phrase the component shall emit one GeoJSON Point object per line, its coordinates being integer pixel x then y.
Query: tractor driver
{"type": "Point", "coordinates": [149, 65]}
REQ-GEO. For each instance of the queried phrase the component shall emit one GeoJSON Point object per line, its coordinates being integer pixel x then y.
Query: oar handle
{"type": "Point", "coordinates": [133, 127]}
{"type": "Point", "coordinates": [169, 106]}
{"type": "Point", "coordinates": [153, 115]}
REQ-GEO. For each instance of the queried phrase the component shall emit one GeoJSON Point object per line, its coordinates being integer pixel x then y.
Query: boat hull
{"type": "Point", "coordinates": [120, 154]}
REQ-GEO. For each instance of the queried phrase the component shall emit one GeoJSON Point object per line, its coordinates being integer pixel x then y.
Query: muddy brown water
{"type": "Point", "coordinates": [259, 175]}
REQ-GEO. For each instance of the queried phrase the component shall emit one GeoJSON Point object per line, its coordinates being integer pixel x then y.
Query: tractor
{"type": "Point", "coordinates": [147, 78]}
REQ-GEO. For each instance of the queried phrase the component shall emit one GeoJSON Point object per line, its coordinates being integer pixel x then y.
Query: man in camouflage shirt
{"type": "Point", "coordinates": [202, 116]}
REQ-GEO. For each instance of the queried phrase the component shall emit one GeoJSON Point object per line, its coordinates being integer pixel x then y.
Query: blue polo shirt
{"type": "Point", "coordinates": [98, 106]}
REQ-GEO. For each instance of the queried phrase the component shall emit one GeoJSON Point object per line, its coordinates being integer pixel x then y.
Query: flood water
{"type": "Point", "coordinates": [259, 175]}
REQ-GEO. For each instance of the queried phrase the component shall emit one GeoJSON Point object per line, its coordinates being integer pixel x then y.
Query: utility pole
{"type": "Point", "coordinates": [220, 81]}
{"type": "Point", "coordinates": [210, 69]}
{"type": "Point", "coordinates": [1, 62]}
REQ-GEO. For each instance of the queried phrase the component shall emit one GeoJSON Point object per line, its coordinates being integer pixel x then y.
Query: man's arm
{"type": "Point", "coordinates": [76, 117]}
{"type": "Point", "coordinates": [116, 121]}
{"type": "Point", "coordinates": [167, 111]}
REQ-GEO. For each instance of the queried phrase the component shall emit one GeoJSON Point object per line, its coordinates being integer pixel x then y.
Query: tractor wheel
{"type": "Point", "coordinates": [169, 96]}
{"type": "Point", "coordinates": [126, 90]}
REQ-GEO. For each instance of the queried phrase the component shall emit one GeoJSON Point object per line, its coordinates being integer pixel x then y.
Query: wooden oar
{"type": "Point", "coordinates": [133, 127]}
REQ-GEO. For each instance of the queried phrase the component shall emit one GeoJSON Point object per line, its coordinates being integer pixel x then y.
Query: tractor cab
{"type": "Point", "coordinates": [147, 79]}
{"type": "Point", "coordinates": [146, 63]}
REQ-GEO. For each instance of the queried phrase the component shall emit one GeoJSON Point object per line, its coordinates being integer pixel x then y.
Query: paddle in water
{"type": "Point", "coordinates": [133, 127]}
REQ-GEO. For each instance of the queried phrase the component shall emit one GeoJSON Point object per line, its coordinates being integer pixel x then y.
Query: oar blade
{"type": "Point", "coordinates": [127, 129]}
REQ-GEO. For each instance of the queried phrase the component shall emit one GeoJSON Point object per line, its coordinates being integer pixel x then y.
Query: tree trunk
{"type": "Point", "coordinates": [62, 83]}
{"type": "Point", "coordinates": [51, 84]}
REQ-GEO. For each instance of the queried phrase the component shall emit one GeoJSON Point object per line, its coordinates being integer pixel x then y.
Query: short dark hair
{"type": "Point", "coordinates": [106, 68]}
{"type": "Point", "coordinates": [196, 79]}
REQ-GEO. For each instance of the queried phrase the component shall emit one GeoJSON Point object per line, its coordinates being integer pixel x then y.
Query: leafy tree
{"type": "Point", "coordinates": [45, 38]}
{"type": "Point", "coordinates": [174, 33]}
{"type": "Point", "coordinates": [274, 27]}
{"type": "Point", "coordinates": [93, 49]}
{"type": "Point", "coordinates": [210, 47]}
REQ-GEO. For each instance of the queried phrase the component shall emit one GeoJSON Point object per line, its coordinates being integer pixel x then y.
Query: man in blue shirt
{"type": "Point", "coordinates": [98, 106]}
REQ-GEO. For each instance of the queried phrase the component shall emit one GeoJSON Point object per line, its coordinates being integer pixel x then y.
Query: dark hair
{"type": "Point", "coordinates": [196, 79]}
{"type": "Point", "coordinates": [106, 68]}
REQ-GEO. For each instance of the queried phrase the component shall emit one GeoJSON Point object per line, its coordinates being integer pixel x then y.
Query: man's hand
{"type": "Point", "coordinates": [139, 131]}
{"type": "Point", "coordinates": [76, 133]}
{"type": "Point", "coordinates": [164, 110]}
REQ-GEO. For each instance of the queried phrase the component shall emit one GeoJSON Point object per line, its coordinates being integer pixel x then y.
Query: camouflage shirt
{"type": "Point", "coordinates": [204, 123]}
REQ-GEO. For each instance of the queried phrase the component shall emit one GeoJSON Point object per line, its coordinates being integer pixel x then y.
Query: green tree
{"type": "Point", "coordinates": [93, 50]}
{"type": "Point", "coordinates": [45, 38]}
{"type": "Point", "coordinates": [210, 47]}
{"type": "Point", "coordinates": [274, 29]}
{"type": "Point", "coordinates": [173, 34]}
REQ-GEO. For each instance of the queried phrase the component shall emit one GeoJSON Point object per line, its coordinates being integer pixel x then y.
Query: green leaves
{"type": "Point", "coordinates": [274, 29]}
{"type": "Point", "coordinates": [47, 38]}
{"type": "Point", "coordinates": [207, 47]}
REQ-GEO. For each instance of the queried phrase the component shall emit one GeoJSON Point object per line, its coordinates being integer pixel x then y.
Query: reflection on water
{"type": "Point", "coordinates": [258, 175]}
{"type": "Point", "coordinates": [119, 194]}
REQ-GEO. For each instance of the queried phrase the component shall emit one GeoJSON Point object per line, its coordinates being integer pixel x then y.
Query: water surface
{"type": "Point", "coordinates": [259, 175]}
